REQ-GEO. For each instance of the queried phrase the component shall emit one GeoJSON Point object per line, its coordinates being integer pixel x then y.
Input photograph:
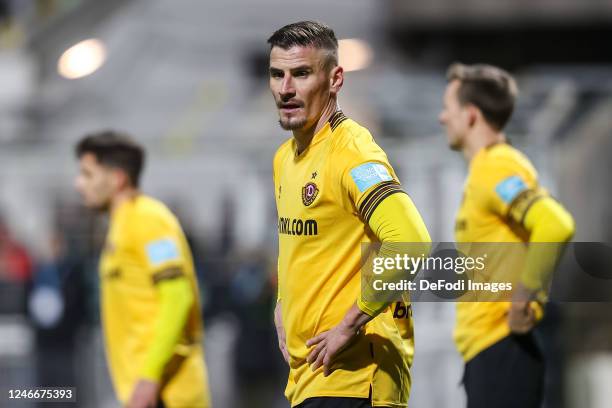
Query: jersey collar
{"type": "Point", "coordinates": [332, 124]}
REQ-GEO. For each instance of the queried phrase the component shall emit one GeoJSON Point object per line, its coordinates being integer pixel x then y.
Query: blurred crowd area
{"type": "Point", "coordinates": [188, 80]}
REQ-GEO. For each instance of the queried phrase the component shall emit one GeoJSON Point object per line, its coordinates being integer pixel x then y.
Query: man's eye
{"type": "Point", "coordinates": [276, 74]}
{"type": "Point", "coordinates": [301, 73]}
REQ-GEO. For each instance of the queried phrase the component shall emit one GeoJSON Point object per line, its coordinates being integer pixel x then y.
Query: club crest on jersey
{"type": "Point", "coordinates": [309, 193]}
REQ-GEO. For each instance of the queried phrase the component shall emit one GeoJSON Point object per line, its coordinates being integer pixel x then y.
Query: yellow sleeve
{"type": "Point", "coordinates": [365, 175]}
{"type": "Point", "coordinates": [176, 299]}
{"type": "Point", "coordinates": [366, 179]}
{"type": "Point", "coordinates": [511, 189]}
{"type": "Point", "coordinates": [159, 244]}
{"type": "Point", "coordinates": [396, 221]}
{"type": "Point", "coordinates": [158, 240]}
{"type": "Point", "coordinates": [550, 227]}
{"type": "Point", "coordinates": [507, 188]}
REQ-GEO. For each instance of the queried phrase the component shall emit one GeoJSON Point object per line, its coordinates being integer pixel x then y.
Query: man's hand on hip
{"type": "Point", "coordinates": [521, 317]}
{"type": "Point", "coordinates": [329, 344]}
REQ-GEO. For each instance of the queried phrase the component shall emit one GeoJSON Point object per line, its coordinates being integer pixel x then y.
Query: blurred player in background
{"type": "Point", "coordinates": [149, 300]}
{"type": "Point", "coordinates": [502, 202]}
{"type": "Point", "coordinates": [334, 190]}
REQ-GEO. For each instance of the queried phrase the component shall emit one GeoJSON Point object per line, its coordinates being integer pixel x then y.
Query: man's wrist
{"type": "Point", "coordinates": [524, 294]}
{"type": "Point", "coordinates": [354, 319]}
{"type": "Point", "coordinates": [349, 325]}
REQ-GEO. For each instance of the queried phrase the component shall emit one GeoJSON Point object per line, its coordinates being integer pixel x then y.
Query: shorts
{"type": "Point", "coordinates": [508, 374]}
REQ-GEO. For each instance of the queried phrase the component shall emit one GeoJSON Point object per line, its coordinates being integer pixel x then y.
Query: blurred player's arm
{"type": "Point", "coordinates": [512, 192]}
{"type": "Point", "coordinates": [175, 301]}
{"type": "Point", "coordinates": [158, 245]}
{"type": "Point", "coordinates": [549, 225]}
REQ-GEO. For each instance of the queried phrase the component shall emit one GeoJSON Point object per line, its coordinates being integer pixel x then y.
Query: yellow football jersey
{"type": "Point", "coordinates": [500, 187]}
{"type": "Point", "coordinates": [145, 244]}
{"type": "Point", "coordinates": [324, 197]}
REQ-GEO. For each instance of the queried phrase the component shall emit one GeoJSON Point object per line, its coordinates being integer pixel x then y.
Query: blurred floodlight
{"type": "Point", "coordinates": [82, 59]}
{"type": "Point", "coordinates": [354, 54]}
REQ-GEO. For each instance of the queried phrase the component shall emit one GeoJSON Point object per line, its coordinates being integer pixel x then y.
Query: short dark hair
{"type": "Point", "coordinates": [114, 149]}
{"type": "Point", "coordinates": [307, 34]}
{"type": "Point", "coordinates": [490, 89]}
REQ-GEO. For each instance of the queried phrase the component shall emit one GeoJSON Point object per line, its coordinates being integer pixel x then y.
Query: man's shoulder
{"type": "Point", "coordinates": [504, 158]}
{"type": "Point", "coordinates": [349, 129]}
{"type": "Point", "coordinates": [350, 135]}
{"type": "Point", "coordinates": [147, 209]}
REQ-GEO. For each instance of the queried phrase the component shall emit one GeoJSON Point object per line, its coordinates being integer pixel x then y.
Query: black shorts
{"type": "Point", "coordinates": [509, 374]}
{"type": "Point", "coordinates": [335, 402]}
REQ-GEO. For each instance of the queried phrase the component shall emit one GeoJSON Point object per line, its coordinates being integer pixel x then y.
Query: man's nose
{"type": "Point", "coordinates": [287, 89]}
{"type": "Point", "coordinates": [441, 118]}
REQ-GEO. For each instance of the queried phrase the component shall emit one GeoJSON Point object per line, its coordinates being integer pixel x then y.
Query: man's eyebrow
{"type": "Point", "coordinates": [274, 70]}
{"type": "Point", "coordinates": [302, 68]}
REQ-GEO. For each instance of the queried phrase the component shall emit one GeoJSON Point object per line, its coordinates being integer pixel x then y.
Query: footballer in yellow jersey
{"type": "Point", "coordinates": [502, 202]}
{"type": "Point", "coordinates": [335, 190]}
{"type": "Point", "coordinates": [149, 297]}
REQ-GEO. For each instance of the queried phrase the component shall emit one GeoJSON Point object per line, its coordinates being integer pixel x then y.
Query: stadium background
{"type": "Point", "coordinates": [188, 79]}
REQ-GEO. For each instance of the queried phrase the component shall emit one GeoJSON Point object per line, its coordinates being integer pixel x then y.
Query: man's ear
{"type": "Point", "coordinates": [473, 115]}
{"type": "Point", "coordinates": [336, 79]}
{"type": "Point", "coordinates": [120, 179]}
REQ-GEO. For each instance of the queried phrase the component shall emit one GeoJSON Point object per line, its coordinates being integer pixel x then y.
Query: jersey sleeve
{"type": "Point", "coordinates": [366, 177]}
{"type": "Point", "coordinates": [509, 189]}
{"type": "Point", "coordinates": [158, 243]}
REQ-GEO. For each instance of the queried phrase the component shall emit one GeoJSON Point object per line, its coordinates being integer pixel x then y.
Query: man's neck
{"type": "Point", "coordinates": [479, 139]}
{"type": "Point", "coordinates": [123, 196]}
{"type": "Point", "coordinates": [303, 137]}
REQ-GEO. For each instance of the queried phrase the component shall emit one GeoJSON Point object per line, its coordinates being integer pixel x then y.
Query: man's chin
{"type": "Point", "coordinates": [101, 208]}
{"type": "Point", "coordinates": [292, 124]}
{"type": "Point", "coordinates": [456, 147]}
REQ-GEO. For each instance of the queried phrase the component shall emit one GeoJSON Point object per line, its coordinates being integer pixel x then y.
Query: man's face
{"type": "Point", "coordinates": [300, 84]}
{"type": "Point", "coordinates": [96, 183]}
{"type": "Point", "coordinates": [454, 117]}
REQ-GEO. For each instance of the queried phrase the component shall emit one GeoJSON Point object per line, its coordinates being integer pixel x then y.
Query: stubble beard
{"type": "Point", "coordinates": [292, 124]}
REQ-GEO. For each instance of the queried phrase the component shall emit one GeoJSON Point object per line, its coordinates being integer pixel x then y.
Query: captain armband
{"type": "Point", "coordinates": [166, 274]}
{"type": "Point", "coordinates": [522, 203]}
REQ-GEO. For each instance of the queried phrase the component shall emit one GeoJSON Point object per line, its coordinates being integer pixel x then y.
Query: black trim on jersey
{"type": "Point", "coordinates": [168, 273]}
{"type": "Point", "coordinates": [336, 119]}
{"type": "Point", "coordinates": [372, 197]}
{"type": "Point", "coordinates": [517, 211]}
{"type": "Point", "coordinates": [376, 196]}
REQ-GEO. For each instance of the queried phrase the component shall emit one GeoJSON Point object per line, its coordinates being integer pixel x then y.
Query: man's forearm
{"type": "Point", "coordinates": [176, 299]}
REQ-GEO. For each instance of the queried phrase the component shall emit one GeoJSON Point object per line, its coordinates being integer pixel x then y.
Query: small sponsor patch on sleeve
{"type": "Point", "coordinates": [369, 174]}
{"type": "Point", "coordinates": [509, 188]}
{"type": "Point", "coordinates": [163, 250]}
